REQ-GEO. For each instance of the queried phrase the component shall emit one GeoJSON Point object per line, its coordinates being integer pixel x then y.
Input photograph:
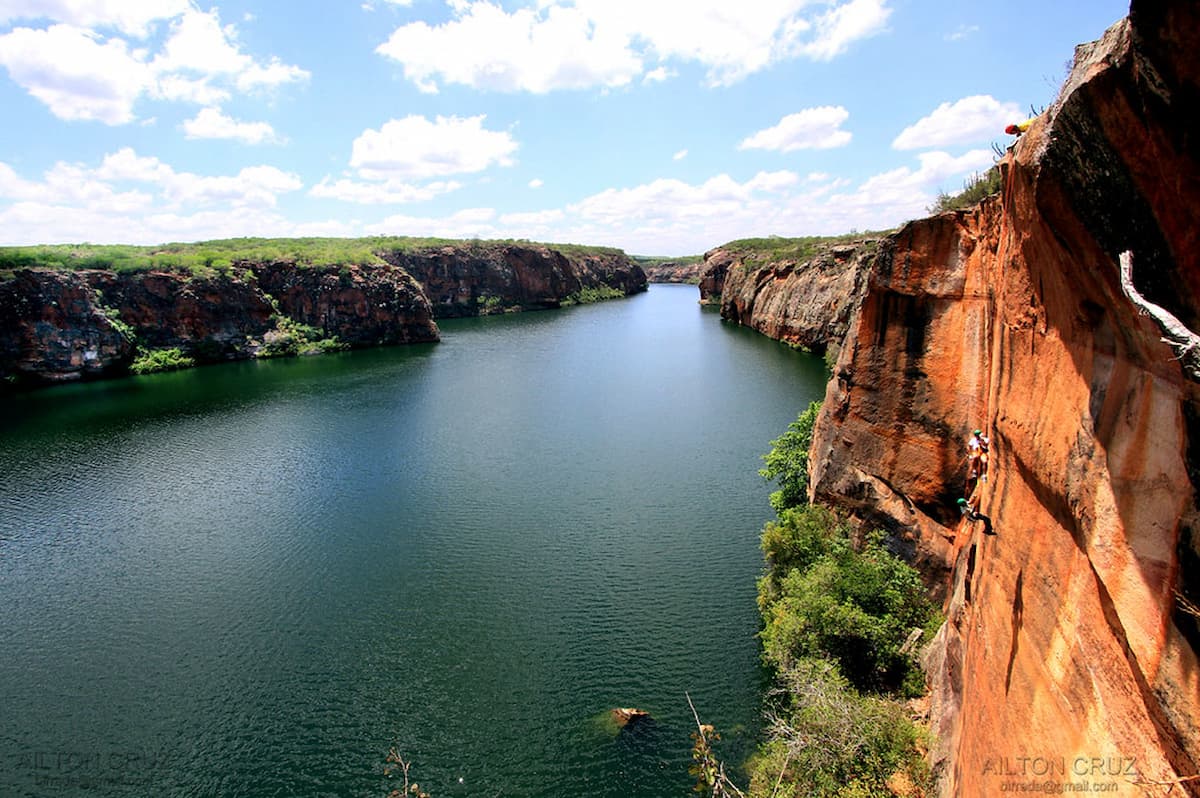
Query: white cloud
{"type": "Point", "coordinates": [679, 156]}
{"type": "Point", "coordinates": [961, 32]}
{"type": "Point", "coordinates": [66, 183]}
{"type": "Point", "coordinates": [212, 123]}
{"type": "Point", "coordinates": [574, 44]}
{"type": "Point", "coordinates": [415, 148]}
{"type": "Point", "coordinates": [843, 25]}
{"type": "Point", "coordinates": [812, 128]}
{"type": "Point", "coordinates": [536, 218]}
{"type": "Point", "coordinates": [668, 216]}
{"type": "Point", "coordinates": [78, 73]}
{"type": "Point", "coordinates": [467, 223]}
{"type": "Point", "coordinates": [966, 121]}
{"type": "Point", "coordinates": [537, 182]}
{"type": "Point", "coordinates": [133, 17]}
{"type": "Point", "coordinates": [485, 47]}
{"type": "Point", "coordinates": [382, 193]}
{"type": "Point", "coordinates": [138, 199]}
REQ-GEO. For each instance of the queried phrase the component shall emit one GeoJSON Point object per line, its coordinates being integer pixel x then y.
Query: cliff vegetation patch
{"type": "Point", "coordinates": [206, 257]}
{"type": "Point", "coordinates": [841, 620]}
{"type": "Point", "coordinates": [152, 361]}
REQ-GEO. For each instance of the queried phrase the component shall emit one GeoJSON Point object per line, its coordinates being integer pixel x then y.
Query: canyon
{"type": "Point", "coordinates": [1071, 634]}
{"type": "Point", "coordinates": [61, 325]}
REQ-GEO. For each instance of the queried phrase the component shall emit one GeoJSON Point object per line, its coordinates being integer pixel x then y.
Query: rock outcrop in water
{"type": "Point", "coordinates": [66, 325]}
{"type": "Point", "coordinates": [1069, 653]}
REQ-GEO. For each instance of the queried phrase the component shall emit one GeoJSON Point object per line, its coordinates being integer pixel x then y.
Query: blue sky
{"type": "Point", "coordinates": [664, 127]}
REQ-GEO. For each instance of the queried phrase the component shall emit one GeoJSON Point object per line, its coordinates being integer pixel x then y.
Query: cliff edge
{"type": "Point", "coordinates": [1069, 653]}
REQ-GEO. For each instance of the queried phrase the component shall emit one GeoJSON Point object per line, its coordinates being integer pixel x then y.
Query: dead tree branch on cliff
{"type": "Point", "coordinates": [1175, 335]}
{"type": "Point", "coordinates": [708, 770]}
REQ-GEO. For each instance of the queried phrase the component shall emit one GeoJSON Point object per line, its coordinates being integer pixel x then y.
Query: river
{"type": "Point", "coordinates": [255, 579]}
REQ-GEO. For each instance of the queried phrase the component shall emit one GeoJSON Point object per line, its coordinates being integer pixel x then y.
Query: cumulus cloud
{"type": "Point", "coordinates": [680, 155]}
{"type": "Point", "coordinates": [966, 121]}
{"type": "Point", "coordinates": [141, 199]}
{"type": "Point", "coordinates": [537, 182]}
{"type": "Point", "coordinates": [416, 148]}
{"type": "Point", "coordinates": [574, 44]}
{"type": "Point", "coordinates": [668, 216]}
{"type": "Point", "coordinates": [80, 73]}
{"type": "Point", "coordinates": [843, 25]}
{"type": "Point", "coordinates": [467, 223]}
{"type": "Point", "coordinates": [212, 123]}
{"type": "Point", "coordinates": [75, 73]}
{"type": "Point", "coordinates": [388, 192]}
{"type": "Point", "coordinates": [813, 128]}
{"type": "Point", "coordinates": [132, 17]}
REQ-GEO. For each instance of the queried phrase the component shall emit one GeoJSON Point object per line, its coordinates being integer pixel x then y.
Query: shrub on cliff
{"type": "Point", "coordinates": [975, 188]}
{"type": "Point", "coordinates": [155, 360]}
{"type": "Point", "coordinates": [827, 740]}
{"type": "Point", "coordinates": [787, 462]}
{"type": "Point", "coordinates": [825, 597]}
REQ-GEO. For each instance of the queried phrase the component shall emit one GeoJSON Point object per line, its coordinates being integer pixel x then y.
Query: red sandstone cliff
{"type": "Point", "coordinates": [805, 300]}
{"type": "Point", "coordinates": [1069, 650]}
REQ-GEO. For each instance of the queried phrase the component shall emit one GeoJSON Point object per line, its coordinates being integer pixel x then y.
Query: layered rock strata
{"type": "Point", "coordinates": [1069, 653]}
{"type": "Point", "coordinates": [67, 325]}
{"type": "Point", "coordinates": [474, 280]}
{"type": "Point", "coordinates": [803, 301]}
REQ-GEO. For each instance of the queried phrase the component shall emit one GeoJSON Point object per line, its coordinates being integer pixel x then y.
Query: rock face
{"type": "Point", "coordinates": [805, 302]}
{"type": "Point", "coordinates": [473, 280]}
{"type": "Point", "coordinates": [362, 306]}
{"type": "Point", "coordinates": [1070, 648]}
{"type": "Point", "coordinates": [52, 326]}
{"type": "Point", "coordinates": [58, 325]}
{"type": "Point", "coordinates": [675, 271]}
{"type": "Point", "coordinates": [218, 316]}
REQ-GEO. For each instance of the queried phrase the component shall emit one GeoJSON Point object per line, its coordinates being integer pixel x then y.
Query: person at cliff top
{"type": "Point", "coordinates": [977, 455]}
{"type": "Point", "coordinates": [1020, 127]}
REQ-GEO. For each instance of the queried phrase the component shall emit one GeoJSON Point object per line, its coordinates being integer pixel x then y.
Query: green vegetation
{"type": "Point", "coordinates": [586, 295]}
{"type": "Point", "coordinates": [777, 248]}
{"type": "Point", "coordinates": [206, 257]}
{"type": "Point", "coordinates": [787, 462]}
{"type": "Point", "coordinates": [975, 188]}
{"type": "Point", "coordinates": [290, 339]}
{"type": "Point", "coordinates": [155, 360]}
{"type": "Point", "coordinates": [828, 599]}
{"type": "Point", "coordinates": [839, 617]}
{"type": "Point", "coordinates": [489, 305]}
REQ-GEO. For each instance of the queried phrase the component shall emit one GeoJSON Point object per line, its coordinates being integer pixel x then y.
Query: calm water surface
{"type": "Point", "coordinates": [254, 579]}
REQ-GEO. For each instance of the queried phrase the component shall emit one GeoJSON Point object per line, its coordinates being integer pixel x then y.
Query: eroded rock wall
{"type": "Point", "coordinates": [1068, 639]}
{"type": "Point", "coordinates": [805, 302]}
{"type": "Point", "coordinates": [473, 280]}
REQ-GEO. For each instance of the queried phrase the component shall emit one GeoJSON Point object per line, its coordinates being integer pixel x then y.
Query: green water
{"type": "Point", "coordinates": [254, 579]}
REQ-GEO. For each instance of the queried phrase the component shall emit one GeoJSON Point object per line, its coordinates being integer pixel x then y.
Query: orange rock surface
{"type": "Point", "coordinates": [1069, 653]}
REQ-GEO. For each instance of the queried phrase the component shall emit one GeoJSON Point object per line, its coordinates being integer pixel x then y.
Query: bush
{"type": "Point", "coordinates": [787, 462]}
{"type": "Point", "coordinates": [290, 339]}
{"type": "Point", "coordinates": [827, 739]}
{"type": "Point", "coordinates": [824, 598]}
{"type": "Point", "coordinates": [155, 360]}
{"type": "Point", "coordinates": [975, 188]}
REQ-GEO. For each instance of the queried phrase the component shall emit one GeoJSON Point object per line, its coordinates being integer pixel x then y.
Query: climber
{"type": "Point", "coordinates": [971, 514]}
{"type": "Point", "coordinates": [1020, 127]}
{"type": "Point", "coordinates": [977, 455]}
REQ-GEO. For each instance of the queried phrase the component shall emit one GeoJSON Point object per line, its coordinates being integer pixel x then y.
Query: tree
{"type": "Point", "coordinates": [787, 462]}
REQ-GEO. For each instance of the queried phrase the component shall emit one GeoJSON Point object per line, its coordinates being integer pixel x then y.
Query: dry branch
{"type": "Point", "coordinates": [1175, 334]}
